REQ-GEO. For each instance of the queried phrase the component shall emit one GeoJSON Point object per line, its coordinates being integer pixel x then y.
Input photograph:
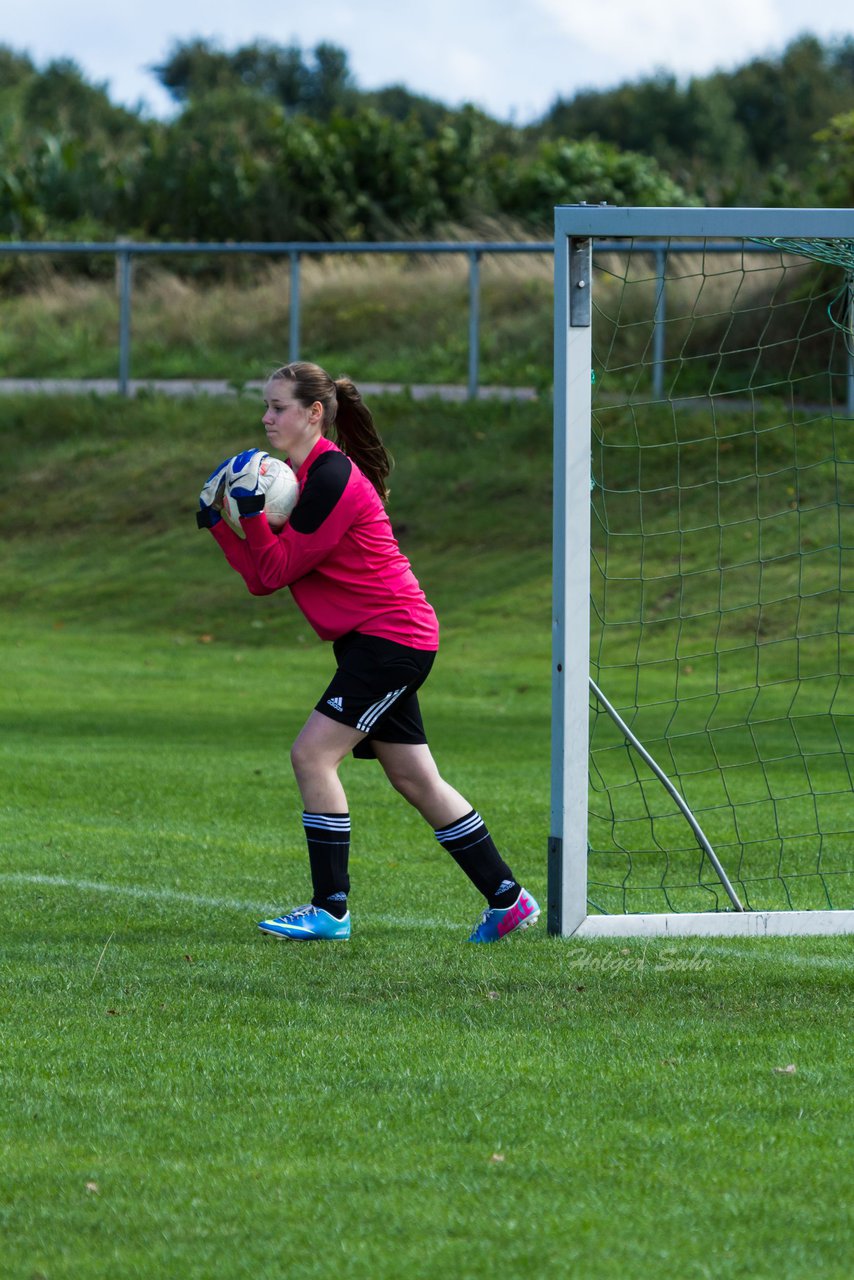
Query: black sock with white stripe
{"type": "Point", "coordinates": [473, 849]}
{"type": "Point", "coordinates": [328, 838]}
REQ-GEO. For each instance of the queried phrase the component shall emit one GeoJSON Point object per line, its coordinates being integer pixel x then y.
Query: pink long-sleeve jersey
{"type": "Point", "coordinates": [338, 555]}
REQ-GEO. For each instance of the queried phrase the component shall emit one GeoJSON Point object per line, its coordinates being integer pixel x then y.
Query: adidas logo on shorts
{"type": "Point", "coordinates": [337, 704]}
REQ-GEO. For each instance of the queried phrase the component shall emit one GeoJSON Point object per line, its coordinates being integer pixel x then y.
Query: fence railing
{"type": "Point", "coordinates": [125, 251]}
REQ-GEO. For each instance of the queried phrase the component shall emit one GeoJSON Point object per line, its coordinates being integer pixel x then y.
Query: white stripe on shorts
{"type": "Point", "coordinates": [373, 713]}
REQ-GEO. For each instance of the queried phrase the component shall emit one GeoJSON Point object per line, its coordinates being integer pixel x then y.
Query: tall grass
{"type": "Point", "coordinates": [377, 317]}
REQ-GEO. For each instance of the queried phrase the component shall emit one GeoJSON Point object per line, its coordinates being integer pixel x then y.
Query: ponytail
{"type": "Point", "coordinates": [343, 407]}
{"type": "Point", "coordinates": [357, 436]}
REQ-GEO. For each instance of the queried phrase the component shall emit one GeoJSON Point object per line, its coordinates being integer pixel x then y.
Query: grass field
{"type": "Point", "coordinates": [184, 1098]}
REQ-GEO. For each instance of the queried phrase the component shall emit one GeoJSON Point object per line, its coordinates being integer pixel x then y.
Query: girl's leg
{"type": "Point", "coordinates": [412, 771]}
{"type": "Point", "coordinates": [316, 756]}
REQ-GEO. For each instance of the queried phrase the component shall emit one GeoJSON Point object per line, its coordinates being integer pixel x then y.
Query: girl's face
{"type": "Point", "coordinates": [289, 424]}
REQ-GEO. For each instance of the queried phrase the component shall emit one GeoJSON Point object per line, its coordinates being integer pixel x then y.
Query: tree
{"type": "Point", "coordinates": [834, 161]}
{"type": "Point", "coordinates": [356, 177]}
{"type": "Point", "coordinates": [399, 103]}
{"type": "Point", "coordinates": [560, 172]}
{"type": "Point", "coordinates": [780, 102]}
{"type": "Point", "coordinates": [738, 136]}
{"type": "Point", "coordinates": [200, 172]}
{"type": "Point", "coordinates": [329, 87]}
{"type": "Point", "coordinates": [68, 155]}
{"type": "Point", "coordinates": [317, 85]}
{"type": "Point", "coordinates": [15, 68]}
{"type": "Point", "coordinates": [193, 68]}
{"type": "Point", "coordinates": [61, 99]}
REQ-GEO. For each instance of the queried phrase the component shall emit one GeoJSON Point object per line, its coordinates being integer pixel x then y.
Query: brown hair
{"type": "Point", "coordinates": [343, 408]}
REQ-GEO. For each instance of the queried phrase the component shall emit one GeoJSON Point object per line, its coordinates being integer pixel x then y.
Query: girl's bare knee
{"type": "Point", "coordinates": [307, 762]}
{"type": "Point", "coordinates": [408, 785]}
{"type": "Point", "coordinates": [299, 757]}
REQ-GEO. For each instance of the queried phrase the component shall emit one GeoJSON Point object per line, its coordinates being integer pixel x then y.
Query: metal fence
{"type": "Point", "coordinates": [125, 251]}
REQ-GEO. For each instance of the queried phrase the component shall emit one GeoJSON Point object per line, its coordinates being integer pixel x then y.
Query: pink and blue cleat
{"type": "Point", "coordinates": [496, 924]}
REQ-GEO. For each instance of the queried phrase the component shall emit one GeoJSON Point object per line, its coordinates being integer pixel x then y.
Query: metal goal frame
{"type": "Point", "coordinates": [576, 229]}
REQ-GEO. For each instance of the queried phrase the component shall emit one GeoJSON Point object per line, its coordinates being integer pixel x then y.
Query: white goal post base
{"type": "Point", "coordinates": [716, 924]}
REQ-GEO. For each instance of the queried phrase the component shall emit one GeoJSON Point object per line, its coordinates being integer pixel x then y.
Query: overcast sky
{"type": "Point", "coordinates": [510, 57]}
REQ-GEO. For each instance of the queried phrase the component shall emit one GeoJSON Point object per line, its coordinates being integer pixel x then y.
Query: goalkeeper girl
{"type": "Point", "coordinates": [339, 557]}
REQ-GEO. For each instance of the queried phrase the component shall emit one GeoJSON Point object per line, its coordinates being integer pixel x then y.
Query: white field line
{"type": "Point", "coordinates": [146, 893]}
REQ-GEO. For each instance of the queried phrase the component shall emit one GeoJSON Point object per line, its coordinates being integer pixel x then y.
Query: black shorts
{"type": "Point", "coordinates": [374, 690]}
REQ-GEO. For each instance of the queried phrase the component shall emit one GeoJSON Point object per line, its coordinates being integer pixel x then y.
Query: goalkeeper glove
{"type": "Point", "coordinates": [210, 499]}
{"type": "Point", "coordinates": [244, 481]}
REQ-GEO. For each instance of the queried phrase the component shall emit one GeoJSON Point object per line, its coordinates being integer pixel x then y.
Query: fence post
{"type": "Point", "coordinates": [125, 277]}
{"type": "Point", "coordinates": [474, 322]}
{"type": "Point", "coordinates": [294, 344]}
{"type": "Point", "coordinates": [658, 324]}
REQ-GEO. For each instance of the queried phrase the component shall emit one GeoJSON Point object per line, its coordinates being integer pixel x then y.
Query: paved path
{"type": "Point", "coordinates": [212, 387]}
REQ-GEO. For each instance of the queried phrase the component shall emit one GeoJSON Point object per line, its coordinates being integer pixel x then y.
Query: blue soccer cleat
{"type": "Point", "coordinates": [308, 924]}
{"type": "Point", "coordinates": [496, 924]}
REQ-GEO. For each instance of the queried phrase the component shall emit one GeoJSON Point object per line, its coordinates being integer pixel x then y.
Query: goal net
{"type": "Point", "coordinates": [704, 435]}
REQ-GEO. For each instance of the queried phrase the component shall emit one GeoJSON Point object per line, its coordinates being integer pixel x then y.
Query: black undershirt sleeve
{"type": "Point", "coordinates": [325, 483]}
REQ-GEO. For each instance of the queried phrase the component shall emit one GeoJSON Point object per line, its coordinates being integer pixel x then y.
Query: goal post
{"type": "Point", "coordinates": [702, 739]}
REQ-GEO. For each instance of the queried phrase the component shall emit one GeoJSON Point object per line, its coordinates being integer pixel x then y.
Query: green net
{"type": "Point", "coordinates": [837, 253]}
{"type": "Point", "coordinates": [722, 583]}
{"type": "Point", "coordinates": [834, 251]}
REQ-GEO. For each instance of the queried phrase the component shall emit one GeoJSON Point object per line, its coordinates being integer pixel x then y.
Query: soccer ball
{"type": "Point", "coordinates": [279, 485]}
